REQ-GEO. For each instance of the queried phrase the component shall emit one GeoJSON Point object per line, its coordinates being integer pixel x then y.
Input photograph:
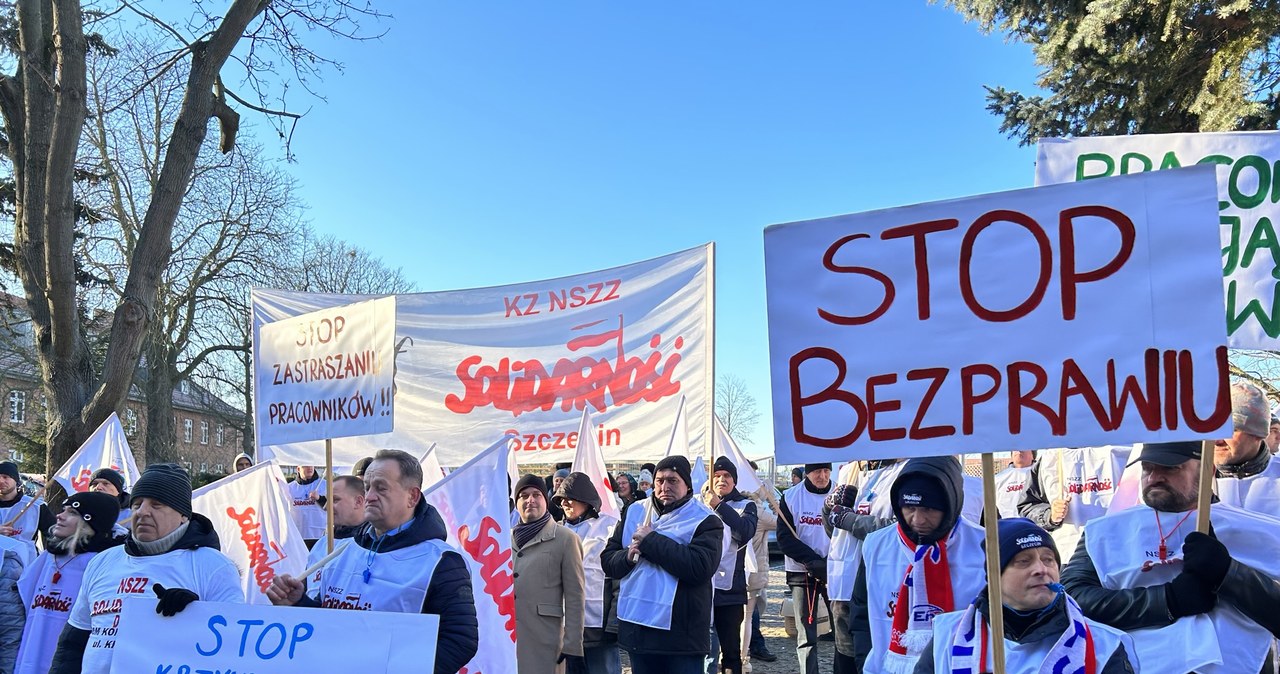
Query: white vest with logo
{"type": "Point", "coordinates": [1089, 477]}
{"type": "Point", "coordinates": [398, 580]}
{"type": "Point", "coordinates": [1222, 641]}
{"type": "Point", "coordinates": [845, 556]}
{"type": "Point", "coordinates": [48, 606]}
{"type": "Point", "coordinates": [647, 594]}
{"type": "Point", "coordinates": [1257, 493]}
{"type": "Point", "coordinates": [1011, 488]}
{"type": "Point", "coordinates": [28, 525]}
{"type": "Point", "coordinates": [806, 514]}
{"type": "Point", "coordinates": [886, 559]}
{"type": "Point", "coordinates": [723, 579]}
{"type": "Point", "coordinates": [594, 534]}
{"type": "Point", "coordinates": [307, 513]}
{"type": "Point", "coordinates": [1024, 658]}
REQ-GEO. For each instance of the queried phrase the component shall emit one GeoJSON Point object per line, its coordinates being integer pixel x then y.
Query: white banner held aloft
{"type": "Point", "coordinates": [329, 373]}
{"type": "Point", "coordinates": [1082, 314]}
{"type": "Point", "coordinates": [625, 342]}
{"type": "Point", "coordinates": [590, 462]}
{"type": "Point", "coordinates": [106, 448]}
{"type": "Point", "coordinates": [218, 637]}
{"type": "Point", "coordinates": [473, 501]}
{"type": "Point", "coordinates": [723, 445]}
{"type": "Point", "coordinates": [431, 470]}
{"type": "Point", "coordinates": [250, 513]}
{"type": "Point", "coordinates": [1248, 168]}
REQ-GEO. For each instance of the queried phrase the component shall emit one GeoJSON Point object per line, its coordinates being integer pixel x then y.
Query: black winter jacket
{"type": "Point", "coordinates": [693, 565]}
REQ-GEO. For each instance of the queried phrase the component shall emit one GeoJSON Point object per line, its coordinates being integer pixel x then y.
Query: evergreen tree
{"type": "Point", "coordinates": [1113, 67]}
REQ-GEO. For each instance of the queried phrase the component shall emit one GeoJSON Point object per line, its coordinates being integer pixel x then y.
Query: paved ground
{"type": "Point", "coordinates": [771, 623]}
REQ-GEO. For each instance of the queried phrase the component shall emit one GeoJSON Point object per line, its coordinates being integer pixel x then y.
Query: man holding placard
{"type": "Point", "coordinates": [930, 563]}
{"type": "Point", "coordinates": [1210, 610]}
{"type": "Point", "coordinates": [1070, 486]}
{"type": "Point", "coordinates": [1043, 627]}
{"type": "Point", "coordinates": [170, 551]}
{"type": "Point", "coordinates": [1248, 476]}
{"type": "Point", "coordinates": [398, 561]}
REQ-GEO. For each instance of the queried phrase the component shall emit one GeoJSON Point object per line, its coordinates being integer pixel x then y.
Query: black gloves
{"type": "Point", "coordinates": [817, 568]}
{"type": "Point", "coordinates": [1206, 558]}
{"type": "Point", "coordinates": [172, 600]}
{"type": "Point", "coordinates": [573, 663]}
{"type": "Point", "coordinates": [1188, 595]}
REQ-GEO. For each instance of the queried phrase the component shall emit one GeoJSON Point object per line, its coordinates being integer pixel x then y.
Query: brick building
{"type": "Point", "coordinates": [206, 439]}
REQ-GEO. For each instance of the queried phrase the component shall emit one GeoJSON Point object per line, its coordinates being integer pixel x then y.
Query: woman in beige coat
{"type": "Point", "coordinates": [547, 570]}
{"type": "Point", "coordinates": [758, 580]}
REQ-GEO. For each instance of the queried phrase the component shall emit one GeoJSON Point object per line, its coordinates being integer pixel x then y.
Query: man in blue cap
{"type": "Point", "coordinates": [1042, 625]}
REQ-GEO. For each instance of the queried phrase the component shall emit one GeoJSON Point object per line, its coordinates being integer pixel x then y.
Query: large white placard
{"type": "Point", "coordinates": [1083, 314]}
{"type": "Point", "coordinates": [626, 342]}
{"type": "Point", "coordinates": [218, 637]}
{"type": "Point", "coordinates": [328, 373]}
{"type": "Point", "coordinates": [1248, 166]}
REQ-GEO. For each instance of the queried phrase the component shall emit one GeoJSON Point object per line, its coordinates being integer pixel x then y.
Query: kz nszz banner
{"type": "Point", "coordinates": [625, 342]}
{"type": "Point", "coordinates": [1082, 314]}
{"type": "Point", "coordinates": [1248, 167]}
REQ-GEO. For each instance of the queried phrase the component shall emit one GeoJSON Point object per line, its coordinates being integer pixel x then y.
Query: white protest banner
{"type": "Point", "coordinates": [590, 462]}
{"type": "Point", "coordinates": [329, 373]}
{"type": "Point", "coordinates": [472, 500]}
{"type": "Point", "coordinates": [250, 513]}
{"type": "Point", "coordinates": [1089, 312]}
{"type": "Point", "coordinates": [219, 637]}
{"type": "Point", "coordinates": [1248, 169]}
{"type": "Point", "coordinates": [625, 342]}
{"type": "Point", "coordinates": [431, 470]}
{"type": "Point", "coordinates": [723, 445]}
{"type": "Point", "coordinates": [106, 448]}
{"type": "Point", "coordinates": [698, 475]}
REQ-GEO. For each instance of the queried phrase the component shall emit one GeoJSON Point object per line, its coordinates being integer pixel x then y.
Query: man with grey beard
{"type": "Point", "coordinates": [1147, 571]}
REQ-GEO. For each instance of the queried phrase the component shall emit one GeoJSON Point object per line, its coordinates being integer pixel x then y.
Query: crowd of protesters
{"type": "Point", "coordinates": [883, 550]}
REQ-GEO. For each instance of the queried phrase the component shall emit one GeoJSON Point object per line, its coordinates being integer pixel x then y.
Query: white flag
{"type": "Point", "coordinates": [250, 512]}
{"type": "Point", "coordinates": [106, 448]}
{"type": "Point", "coordinates": [431, 470]}
{"type": "Point", "coordinates": [679, 443]}
{"type": "Point", "coordinates": [472, 500]}
{"type": "Point", "coordinates": [723, 445]}
{"type": "Point", "coordinates": [698, 475]}
{"type": "Point", "coordinates": [590, 462]}
{"type": "Point", "coordinates": [1129, 490]}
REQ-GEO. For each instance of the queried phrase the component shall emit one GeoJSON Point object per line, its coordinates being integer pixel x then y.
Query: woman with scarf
{"type": "Point", "coordinates": [49, 585]}
{"type": "Point", "coordinates": [547, 570]}
{"type": "Point", "coordinates": [930, 563]}
{"type": "Point", "coordinates": [581, 504]}
{"type": "Point", "coordinates": [1041, 623]}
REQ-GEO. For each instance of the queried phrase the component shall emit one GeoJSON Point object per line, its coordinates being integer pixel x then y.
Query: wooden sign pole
{"type": "Point", "coordinates": [328, 510]}
{"type": "Point", "coordinates": [1206, 487]}
{"type": "Point", "coordinates": [994, 597]}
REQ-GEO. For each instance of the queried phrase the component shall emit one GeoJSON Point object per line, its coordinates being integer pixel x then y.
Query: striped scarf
{"type": "Point", "coordinates": [1072, 653]}
{"type": "Point", "coordinates": [924, 593]}
{"type": "Point", "coordinates": [523, 533]}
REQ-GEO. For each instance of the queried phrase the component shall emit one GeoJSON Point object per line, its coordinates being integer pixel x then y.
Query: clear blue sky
{"type": "Point", "coordinates": [483, 143]}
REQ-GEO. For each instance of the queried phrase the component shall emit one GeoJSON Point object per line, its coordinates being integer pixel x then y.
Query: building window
{"type": "Point", "coordinates": [204, 432]}
{"type": "Point", "coordinates": [204, 467]}
{"type": "Point", "coordinates": [17, 407]}
{"type": "Point", "coordinates": [184, 387]}
{"type": "Point", "coordinates": [130, 422]}
{"type": "Point", "coordinates": [219, 436]}
{"type": "Point", "coordinates": [186, 430]}
{"type": "Point", "coordinates": [219, 469]}
{"type": "Point", "coordinates": [187, 465]}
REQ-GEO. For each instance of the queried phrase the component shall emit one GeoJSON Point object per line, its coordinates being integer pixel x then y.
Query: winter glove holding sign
{"type": "Point", "coordinates": [172, 600]}
{"type": "Point", "coordinates": [1187, 595]}
{"type": "Point", "coordinates": [1206, 558]}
